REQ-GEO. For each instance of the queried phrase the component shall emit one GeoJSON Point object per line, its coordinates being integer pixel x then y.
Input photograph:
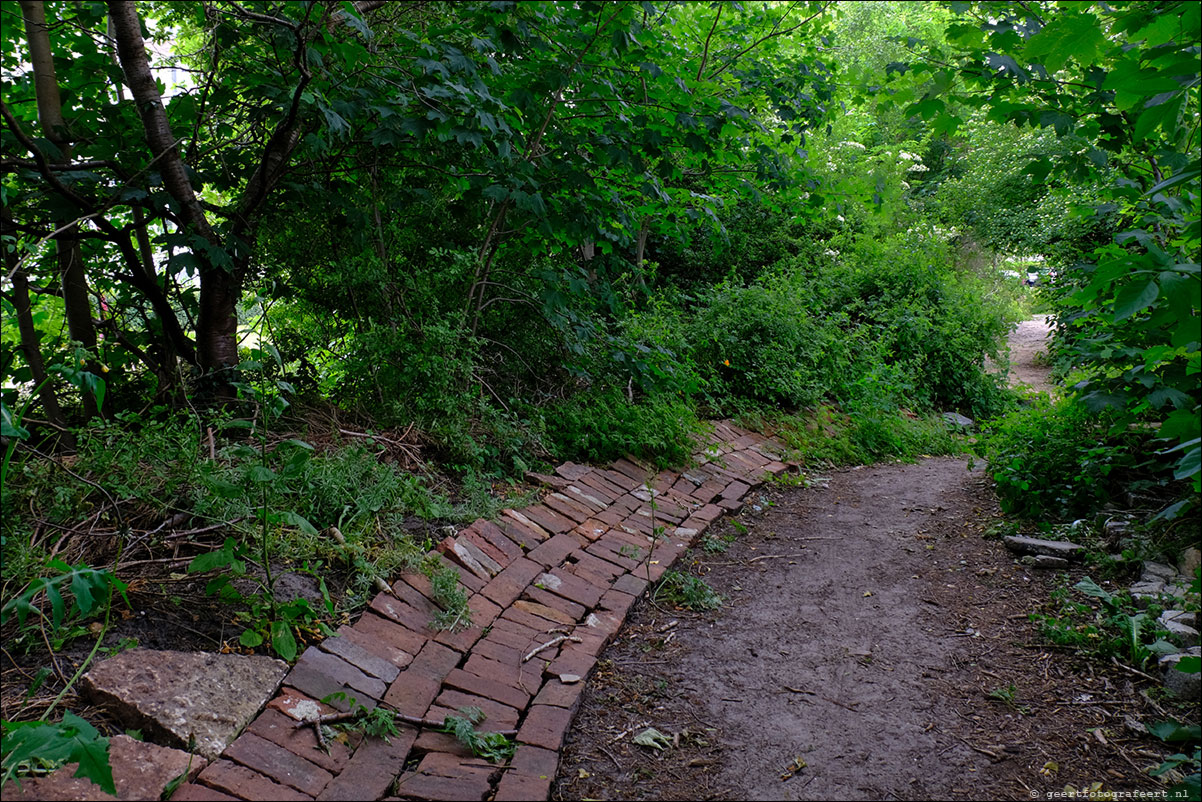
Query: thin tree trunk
{"type": "Point", "coordinates": [77, 302]}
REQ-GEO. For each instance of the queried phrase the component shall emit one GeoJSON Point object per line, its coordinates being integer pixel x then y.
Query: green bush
{"type": "Point", "coordinates": [602, 424]}
{"type": "Point", "coordinates": [1053, 459]}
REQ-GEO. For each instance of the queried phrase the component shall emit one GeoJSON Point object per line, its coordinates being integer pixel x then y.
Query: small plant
{"type": "Point", "coordinates": [38, 745]}
{"type": "Point", "coordinates": [716, 544]}
{"type": "Point", "coordinates": [448, 594]}
{"type": "Point", "coordinates": [492, 746]}
{"type": "Point", "coordinates": [1009, 697]}
{"type": "Point", "coordinates": [689, 592]}
{"type": "Point", "coordinates": [1186, 765]}
{"type": "Point", "coordinates": [1114, 630]}
{"type": "Point", "coordinates": [632, 552]}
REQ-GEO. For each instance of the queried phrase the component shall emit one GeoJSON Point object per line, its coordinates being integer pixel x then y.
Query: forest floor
{"type": "Point", "coordinates": [871, 644]}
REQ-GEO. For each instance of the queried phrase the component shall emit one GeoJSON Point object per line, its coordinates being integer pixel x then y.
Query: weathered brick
{"type": "Point", "coordinates": [637, 473]}
{"type": "Point", "coordinates": [775, 468]}
{"type": "Point", "coordinates": [559, 694]}
{"type": "Point", "coordinates": [575, 511]}
{"type": "Point", "coordinates": [389, 632]}
{"type": "Point", "coordinates": [509, 584]}
{"type": "Point", "coordinates": [624, 561]}
{"type": "Point", "coordinates": [572, 471]}
{"type": "Point", "coordinates": [495, 649]}
{"type": "Point", "coordinates": [585, 572]}
{"type": "Point", "coordinates": [239, 781]}
{"type": "Point", "coordinates": [525, 677]}
{"type": "Point", "coordinates": [281, 730]}
{"type": "Point", "coordinates": [619, 479]}
{"type": "Point", "coordinates": [618, 601]}
{"type": "Point", "coordinates": [507, 638]}
{"type": "Point", "coordinates": [435, 741]}
{"type": "Point", "coordinates": [597, 482]}
{"type": "Point", "coordinates": [279, 764]}
{"type": "Point", "coordinates": [607, 570]}
{"type": "Point", "coordinates": [629, 584]}
{"type": "Point", "coordinates": [543, 611]}
{"type": "Point", "coordinates": [517, 787]}
{"type": "Point", "coordinates": [472, 534]}
{"type": "Point", "coordinates": [572, 660]}
{"type": "Point", "coordinates": [361, 658]}
{"type": "Point", "coordinates": [402, 613]}
{"type": "Point", "coordinates": [537, 625]}
{"type": "Point", "coordinates": [298, 706]}
{"type": "Point", "coordinates": [553, 482]}
{"type": "Point", "coordinates": [416, 687]}
{"type": "Point", "coordinates": [510, 629]}
{"type": "Point", "coordinates": [571, 611]}
{"type": "Point", "coordinates": [735, 490]}
{"type": "Point", "coordinates": [730, 504]}
{"type": "Point", "coordinates": [549, 519]}
{"type": "Point", "coordinates": [471, 557]}
{"type": "Point", "coordinates": [376, 646]}
{"type": "Point", "coordinates": [488, 688]}
{"type": "Point", "coordinates": [708, 491]}
{"type": "Point", "coordinates": [447, 777]}
{"type": "Point", "coordinates": [470, 581]}
{"type": "Point", "coordinates": [483, 613]}
{"type": "Point", "coordinates": [372, 769]}
{"type": "Point", "coordinates": [610, 517]}
{"type": "Point", "coordinates": [498, 539]}
{"type": "Point", "coordinates": [709, 513]}
{"type": "Point", "coordinates": [497, 716]}
{"type": "Point", "coordinates": [553, 552]}
{"type": "Point", "coordinates": [545, 726]}
{"type": "Point", "coordinates": [569, 586]}
{"type": "Point", "coordinates": [342, 672]}
{"type": "Point", "coordinates": [589, 497]}
{"type": "Point", "coordinates": [410, 583]}
{"type": "Point", "coordinates": [591, 529]}
{"type": "Point", "coordinates": [319, 685]}
{"type": "Point", "coordinates": [607, 623]}
{"type": "Point", "coordinates": [522, 529]}
{"type": "Point", "coordinates": [191, 792]}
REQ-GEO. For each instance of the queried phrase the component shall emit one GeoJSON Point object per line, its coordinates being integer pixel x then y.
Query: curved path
{"type": "Point", "coordinates": [560, 575]}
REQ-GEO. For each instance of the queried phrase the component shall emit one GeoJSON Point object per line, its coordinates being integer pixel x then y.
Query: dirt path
{"type": "Point", "coordinates": [871, 645]}
{"type": "Point", "coordinates": [1028, 343]}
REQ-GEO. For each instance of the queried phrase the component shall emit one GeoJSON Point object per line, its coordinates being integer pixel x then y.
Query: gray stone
{"type": "Point", "coordinates": [1181, 633]}
{"type": "Point", "coordinates": [1146, 592]}
{"type": "Point", "coordinates": [1044, 561]}
{"type": "Point", "coordinates": [1190, 619]}
{"type": "Point", "coordinates": [1116, 528]}
{"type": "Point", "coordinates": [175, 696]}
{"type": "Point", "coordinates": [1179, 683]}
{"type": "Point", "coordinates": [1052, 548]}
{"type": "Point", "coordinates": [1191, 558]}
{"type": "Point", "coordinates": [955, 419]}
{"type": "Point", "coordinates": [1153, 571]}
{"type": "Point", "coordinates": [140, 771]}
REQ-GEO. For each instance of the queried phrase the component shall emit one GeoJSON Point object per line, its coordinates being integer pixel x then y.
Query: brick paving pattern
{"type": "Point", "coordinates": [571, 565]}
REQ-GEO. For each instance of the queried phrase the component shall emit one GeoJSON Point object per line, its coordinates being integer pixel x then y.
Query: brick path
{"type": "Point", "coordinates": [570, 565]}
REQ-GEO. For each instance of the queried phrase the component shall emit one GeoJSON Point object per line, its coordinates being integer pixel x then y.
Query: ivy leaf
{"type": "Point", "coordinates": [283, 641]}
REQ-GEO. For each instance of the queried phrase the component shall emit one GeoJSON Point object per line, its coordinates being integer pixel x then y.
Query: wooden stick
{"type": "Point", "coordinates": [773, 557]}
{"type": "Point", "coordinates": [553, 642]}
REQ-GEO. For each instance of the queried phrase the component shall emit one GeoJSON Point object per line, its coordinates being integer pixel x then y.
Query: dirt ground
{"type": "Point", "coordinates": [872, 644]}
{"type": "Point", "coordinates": [1028, 352]}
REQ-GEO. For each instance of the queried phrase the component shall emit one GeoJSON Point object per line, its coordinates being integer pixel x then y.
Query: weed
{"type": "Point", "coordinates": [716, 544]}
{"type": "Point", "coordinates": [492, 746]}
{"type": "Point", "coordinates": [1008, 696]}
{"type": "Point", "coordinates": [448, 594]}
{"type": "Point", "coordinates": [628, 550]}
{"type": "Point", "coordinates": [689, 592]}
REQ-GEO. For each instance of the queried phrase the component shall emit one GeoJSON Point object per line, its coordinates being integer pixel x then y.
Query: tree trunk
{"type": "Point", "coordinates": [217, 326]}
{"type": "Point", "coordinates": [77, 302]}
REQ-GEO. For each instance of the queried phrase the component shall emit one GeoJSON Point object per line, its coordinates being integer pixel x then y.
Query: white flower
{"type": "Point", "coordinates": [918, 168]}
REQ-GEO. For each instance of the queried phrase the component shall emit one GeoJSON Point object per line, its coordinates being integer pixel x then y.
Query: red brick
{"type": "Point", "coordinates": [553, 552]}
{"type": "Point", "coordinates": [537, 625]}
{"type": "Point", "coordinates": [497, 716]}
{"type": "Point", "coordinates": [522, 529]}
{"type": "Point", "coordinates": [191, 792]}
{"type": "Point", "coordinates": [607, 623]}
{"type": "Point", "coordinates": [596, 481]}
{"type": "Point", "coordinates": [709, 513]}
{"type": "Point", "coordinates": [402, 613]}
{"type": "Point", "coordinates": [495, 649]}
{"type": "Point", "coordinates": [361, 658]}
{"type": "Point", "coordinates": [604, 552]}
{"type": "Point", "coordinates": [708, 491]}
{"type": "Point", "coordinates": [410, 583]}
{"type": "Point", "coordinates": [417, 685]}
{"type": "Point", "coordinates": [549, 519]}
{"type": "Point", "coordinates": [730, 504]}
{"type": "Point", "coordinates": [517, 787]}
{"type": "Point", "coordinates": [569, 586]}
{"type": "Point", "coordinates": [589, 497]}
{"type": "Point", "coordinates": [543, 611]}
{"type": "Point", "coordinates": [470, 581]}
{"type": "Point", "coordinates": [576, 511]}
{"type": "Point", "coordinates": [735, 490]}
{"type": "Point", "coordinates": [553, 482]}
{"type": "Point", "coordinates": [617, 601]}
{"type": "Point", "coordinates": [545, 726]}
{"type": "Point", "coordinates": [280, 729]}
{"type": "Point", "coordinates": [571, 610]}
{"type": "Point", "coordinates": [580, 571]}
{"type": "Point", "coordinates": [239, 781]}
{"type": "Point", "coordinates": [436, 741]}
{"type": "Point", "coordinates": [558, 694]}
{"type": "Point", "coordinates": [472, 534]}
{"type": "Point", "coordinates": [298, 706]}
{"type": "Point", "coordinates": [492, 533]}
{"type": "Point", "coordinates": [509, 584]}
{"type": "Point", "coordinates": [610, 517]}
{"type": "Point", "coordinates": [463, 552]}
{"type": "Point", "coordinates": [525, 677]}
{"type": "Point", "coordinates": [377, 646]}
{"type": "Point", "coordinates": [776, 468]}
{"type": "Point", "coordinates": [591, 529]}
{"type": "Point", "coordinates": [619, 479]}
{"type": "Point", "coordinates": [320, 685]}
{"type": "Point", "coordinates": [629, 584]}
{"type": "Point", "coordinates": [278, 763]}
{"type": "Point", "coordinates": [488, 688]}
{"type": "Point", "coordinates": [607, 570]}
{"type": "Point", "coordinates": [389, 632]}
{"type": "Point", "coordinates": [447, 777]}
{"type": "Point", "coordinates": [499, 638]}
{"type": "Point", "coordinates": [589, 641]}
{"type": "Point", "coordinates": [572, 661]}
{"type": "Point", "coordinates": [634, 472]}
{"type": "Point", "coordinates": [341, 672]}
{"type": "Point", "coordinates": [372, 769]}
{"type": "Point", "coordinates": [511, 629]}
{"type": "Point", "coordinates": [572, 471]}
{"type": "Point", "coordinates": [483, 613]}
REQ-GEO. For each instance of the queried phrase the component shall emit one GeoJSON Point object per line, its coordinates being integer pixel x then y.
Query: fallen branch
{"type": "Point", "coordinates": [553, 642]}
{"type": "Point", "coordinates": [773, 557]}
{"type": "Point", "coordinates": [416, 721]}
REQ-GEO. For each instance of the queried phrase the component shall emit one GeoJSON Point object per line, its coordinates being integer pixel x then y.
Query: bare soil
{"type": "Point", "coordinates": [872, 644]}
{"type": "Point", "coordinates": [1028, 354]}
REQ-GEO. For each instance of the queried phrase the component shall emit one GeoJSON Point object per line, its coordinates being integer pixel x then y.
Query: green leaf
{"type": "Point", "coordinates": [282, 640]}
{"type": "Point", "coordinates": [9, 427]}
{"type": "Point", "coordinates": [299, 521]}
{"type": "Point", "coordinates": [1068, 35]}
{"type": "Point", "coordinates": [91, 752]}
{"type": "Point", "coordinates": [1091, 588]}
{"type": "Point", "coordinates": [1175, 731]}
{"type": "Point", "coordinates": [1134, 297]}
{"type": "Point", "coordinates": [214, 559]}
{"type": "Point", "coordinates": [250, 639]}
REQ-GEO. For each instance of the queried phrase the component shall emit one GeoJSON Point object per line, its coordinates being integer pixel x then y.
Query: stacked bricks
{"type": "Point", "coordinates": [548, 587]}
